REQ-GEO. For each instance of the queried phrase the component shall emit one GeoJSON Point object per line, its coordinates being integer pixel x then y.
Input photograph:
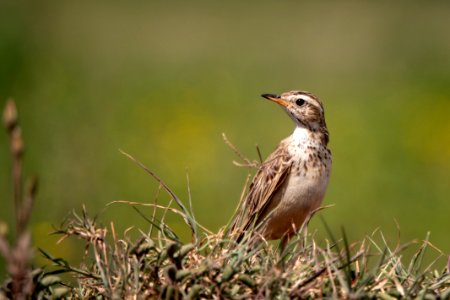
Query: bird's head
{"type": "Point", "coordinates": [304, 108]}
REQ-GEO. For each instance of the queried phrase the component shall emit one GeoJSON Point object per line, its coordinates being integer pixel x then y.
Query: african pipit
{"type": "Point", "coordinates": [291, 183]}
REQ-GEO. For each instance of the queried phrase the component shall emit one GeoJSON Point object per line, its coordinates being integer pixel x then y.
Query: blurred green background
{"type": "Point", "coordinates": [163, 79]}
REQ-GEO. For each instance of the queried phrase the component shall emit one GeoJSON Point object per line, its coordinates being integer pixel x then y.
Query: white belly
{"type": "Point", "coordinates": [304, 192]}
{"type": "Point", "coordinates": [301, 193]}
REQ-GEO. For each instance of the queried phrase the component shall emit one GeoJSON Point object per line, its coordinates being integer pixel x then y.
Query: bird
{"type": "Point", "coordinates": [291, 183]}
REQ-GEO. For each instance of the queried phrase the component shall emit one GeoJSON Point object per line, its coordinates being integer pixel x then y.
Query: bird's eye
{"type": "Point", "coordinates": [300, 102]}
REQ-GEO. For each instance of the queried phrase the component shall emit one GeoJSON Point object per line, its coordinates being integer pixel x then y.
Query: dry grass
{"type": "Point", "coordinates": [160, 266]}
{"type": "Point", "coordinates": [213, 265]}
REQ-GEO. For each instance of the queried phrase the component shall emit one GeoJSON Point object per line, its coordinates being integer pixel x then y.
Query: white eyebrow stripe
{"type": "Point", "coordinates": [305, 97]}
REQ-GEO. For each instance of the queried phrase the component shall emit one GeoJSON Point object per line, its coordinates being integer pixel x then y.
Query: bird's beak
{"type": "Point", "coordinates": [276, 99]}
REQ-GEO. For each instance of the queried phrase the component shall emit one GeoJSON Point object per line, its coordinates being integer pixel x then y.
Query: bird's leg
{"type": "Point", "coordinates": [287, 236]}
{"type": "Point", "coordinates": [284, 242]}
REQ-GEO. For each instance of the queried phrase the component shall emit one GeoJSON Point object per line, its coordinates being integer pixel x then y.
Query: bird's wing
{"type": "Point", "coordinates": [264, 186]}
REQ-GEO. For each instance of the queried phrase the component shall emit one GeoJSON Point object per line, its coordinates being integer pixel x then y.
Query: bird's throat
{"type": "Point", "coordinates": [301, 135]}
{"type": "Point", "coordinates": [304, 135]}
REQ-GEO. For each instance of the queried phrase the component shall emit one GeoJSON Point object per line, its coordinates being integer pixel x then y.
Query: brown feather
{"type": "Point", "coordinates": [264, 186]}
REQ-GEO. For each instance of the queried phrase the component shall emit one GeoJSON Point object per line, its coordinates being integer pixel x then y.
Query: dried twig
{"type": "Point", "coordinates": [247, 162]}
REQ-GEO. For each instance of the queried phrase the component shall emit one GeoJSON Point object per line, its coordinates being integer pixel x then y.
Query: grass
{"type": "Point", "coordinates": [157, 264]}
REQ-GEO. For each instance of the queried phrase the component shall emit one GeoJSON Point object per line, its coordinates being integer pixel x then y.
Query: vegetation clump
{"type": "Point", "coordinates": [159, 265]}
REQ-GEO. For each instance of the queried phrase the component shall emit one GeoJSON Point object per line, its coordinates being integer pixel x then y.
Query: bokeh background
{"type": "Point", "coordinates": [163, 79]}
